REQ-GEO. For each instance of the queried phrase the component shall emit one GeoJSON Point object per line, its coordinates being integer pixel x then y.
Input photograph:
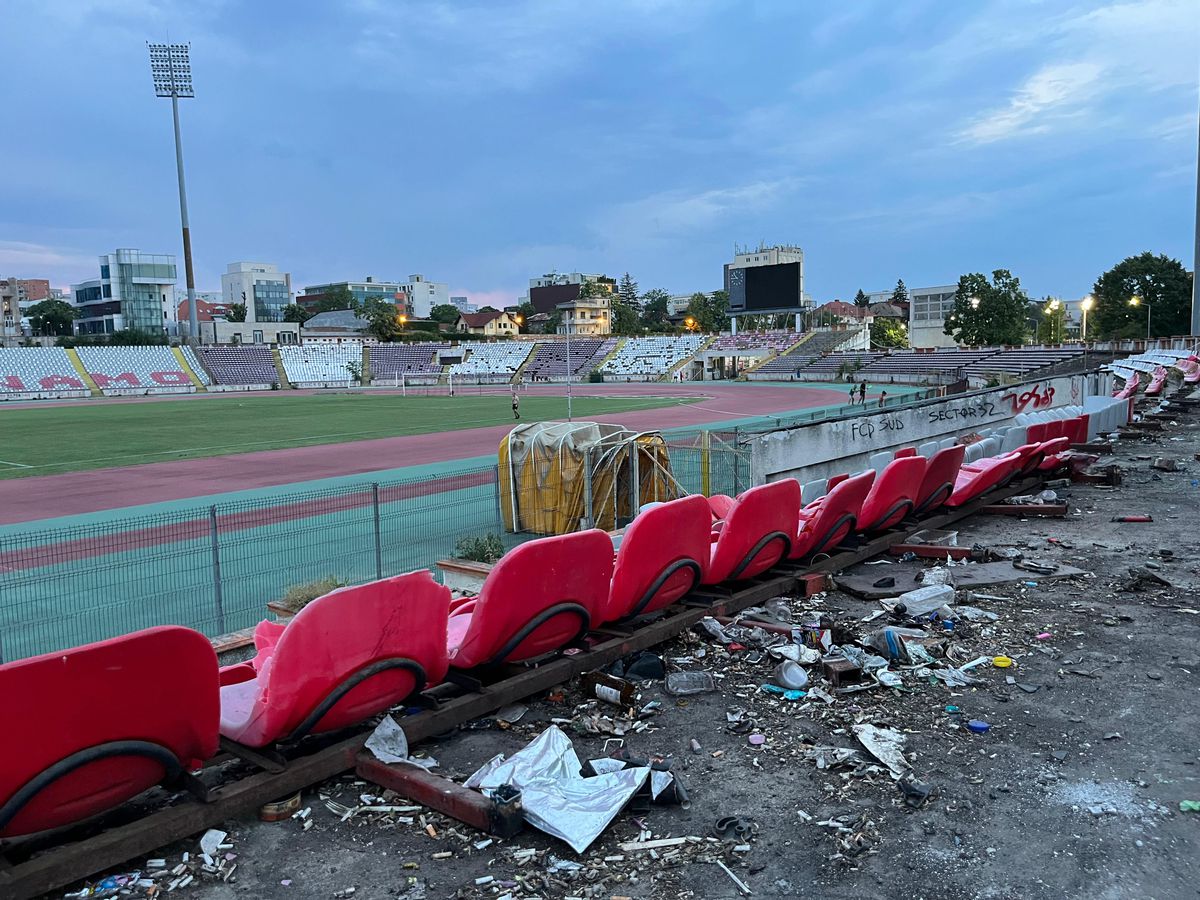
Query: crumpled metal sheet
{"type": "Point", "coordinates": [555, 797]}
{"type": "Point", "coordinates": [886, 745]}
{"type": "Point", "coordinates": [389, 744]}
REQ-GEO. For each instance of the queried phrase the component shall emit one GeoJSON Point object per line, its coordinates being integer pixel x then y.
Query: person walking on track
{"type": "Point", "coordinates": [516, 406]}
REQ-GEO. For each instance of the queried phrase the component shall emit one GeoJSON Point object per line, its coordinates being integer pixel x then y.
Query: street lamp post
{"type": "Point", "coordinates": [1135, 300]}
{"type": "Point", "coordinates": [171, 70]}
{"type": "Point", "coordinates": [1084, 305]}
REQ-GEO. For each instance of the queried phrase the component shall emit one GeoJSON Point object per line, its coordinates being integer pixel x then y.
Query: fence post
{"type": "Point", "coordinates": [499, 508]}
{"type": "Point", "coordinates": [635, 481]}
{"type": "Point", "coordinates": [589, 510]}
{"type": "Point", "coordinates": [705, 463]}
{"type": "Point", "coordinates": [216, 568]}
{"type": "Point", "coordinates": [378, 534]}
{"type": "Point", "coordinates": [737, 460]}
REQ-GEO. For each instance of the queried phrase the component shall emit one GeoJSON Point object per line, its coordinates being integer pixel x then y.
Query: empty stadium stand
{"type": "Point", "coordinates": [189, 356]}
{"type": "Point", "coordinates": [240, 365]}
{"type": "Point", "coordinates": [1020, 361]}
{"type": "Point", "coordinates": [390, 361]}
{"type": "Point", "coordinates": [643, 358]}
{"type": "Point", "coordinates": [124, 370]}
{"type": "Point", "coordinates": [756, 340]}
{"type": "Point", "coordinates": [944, 364]}
{"type": "Point", "coordinates": [39, 370]}
{"type": "Point", "coordinates": [829, 366]}
{"type": "Point", "coordinates": [493, 361]}
{"type": "Point", "coordinates": [319, 364]}
{"type": "Point", "coordinates": [549, 359]}
{"type": "Point", "coordinates": [814, 347]}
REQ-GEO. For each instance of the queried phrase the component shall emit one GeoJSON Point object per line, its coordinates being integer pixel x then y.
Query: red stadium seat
{"type": "Point", "coordinates": [720, 504]}
{"type": "Point", "coordinates": [893, 494]}
{"type": "Point", "coordinates": [905, 452]}
{"type": "Point", "coordinates": [827, 521]}
{"type": "Point", "coordinates": [757, 533]}
{"type": "Point", "coordinates": [1029, 457]}
{"type": "Point", "coordinates": [1157, 383]}
{"type": "Point", "coordinates": [662, 557]}
{"type": "Point", "coordinates": [938, 483]}
{"type": "Point", "coordinates": [344, 657]}
{"type": "Point", "coordinates": [93, 726]}
{"type": "Point", "coordinates": [1130, 388]}
{"type": "Point", "coordinates": [979, 477]}
{"type": "Point", "coordinates": [537, 599]}
{"type": "Point", "coordinates": [1051, 451]}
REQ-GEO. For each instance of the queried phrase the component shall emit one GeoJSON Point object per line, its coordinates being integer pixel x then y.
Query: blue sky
{"type": "Point", "coordinates": [481, 143]}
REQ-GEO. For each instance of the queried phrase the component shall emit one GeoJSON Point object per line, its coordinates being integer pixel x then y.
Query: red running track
{"type": "Point", "coordinates": [74, 493]}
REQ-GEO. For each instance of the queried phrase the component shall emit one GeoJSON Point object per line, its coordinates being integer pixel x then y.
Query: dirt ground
{"type": "Point", "coordinates": [1073, 792]}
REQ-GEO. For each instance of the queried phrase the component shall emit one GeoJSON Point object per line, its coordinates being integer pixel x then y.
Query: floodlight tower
{"type": "Point", "coordinates": [171, 70]}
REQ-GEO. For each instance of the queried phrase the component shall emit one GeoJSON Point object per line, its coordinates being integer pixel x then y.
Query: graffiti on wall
{"type": "Point", "coordinates": [1039, 398]}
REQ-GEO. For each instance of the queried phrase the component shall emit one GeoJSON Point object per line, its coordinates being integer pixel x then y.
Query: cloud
{"type": "Point", "coordinates": [1054, 92]}
{"type": "Point", "coordinates": [1103, 57]}
{"type": "Point", "coordinates": [498, 298]}
{"type": "Point", "coordinates": [61, 266]}
{"type": "Point", "coordinates": [671, 213]}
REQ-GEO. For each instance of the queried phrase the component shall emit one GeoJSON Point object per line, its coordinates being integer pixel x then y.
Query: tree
{"type": "Point", "coordinates": [626, 310]}
{"type": "Point", "coordinates": [654, 308]}
{"type": "Point", "coordinates": [446, 313]}
{"type": "Point", "coordinates": [710, 311]}
{"type": "Point", "coordinates": [899, 293]}
{"type": "Point", "coordinates": [627, 292]}
{"type": "Point", "coordinates": [488, 309]}
{"type": "Point", "coordinates": [52, 317]}
{"type": "Point", "coordinates": [889, 334]}
{"type": "Point", "coordinates": [339, 297]}
{"type": "Point", "coordinates": [1159, 281]}
{"type": "Point", "coordinates": [236, 312]}
{"type": "Point", "coordinates": [1051, 326]}
{"type": "Point", "coordinates": [382, 316]}
{"type": "Point", "coordinates": [861, 299]}
{"type": "Point", "coordinates": [294, 312]}
{"type": "Point", "coordinates": [988, 312]}
{"type": "Point", "coordinates": [526, 311]}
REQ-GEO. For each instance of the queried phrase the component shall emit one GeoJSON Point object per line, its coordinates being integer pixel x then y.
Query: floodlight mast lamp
{"type": "Point", "coordinates": [171, 70]}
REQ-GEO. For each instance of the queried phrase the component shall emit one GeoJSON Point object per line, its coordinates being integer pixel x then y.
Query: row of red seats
{"type": "Point", "coordinates": [108, 720]}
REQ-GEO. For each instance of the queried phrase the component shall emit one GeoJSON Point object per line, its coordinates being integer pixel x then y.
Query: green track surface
{"type": "Point", "coordinates": [52, 439]}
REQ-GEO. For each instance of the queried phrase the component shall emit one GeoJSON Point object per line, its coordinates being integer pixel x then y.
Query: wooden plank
{"type": "Point", "coordinates": [906, 577]}
{"type": "Point", "coordinates": [1027, 510]}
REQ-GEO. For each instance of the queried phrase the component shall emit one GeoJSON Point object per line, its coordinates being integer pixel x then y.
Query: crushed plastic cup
{"type": "Point", "coordinates": [791, 675]}
{"type": "Point", "coordinates": [978, 726]}
{"type": "Point", "coordinates": [1001, 662]}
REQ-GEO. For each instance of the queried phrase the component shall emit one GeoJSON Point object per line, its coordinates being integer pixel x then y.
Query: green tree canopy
{"type": "Point", "coordinates": [339, 297]}
{"type": "Point", "coordinates": [488, 309]}
{"type": "Point", "coordinates": [383, 318]}
{"type": "Point", "coordinates": [525, 310]}
{"type": "Point", "coordinates": [446, 313]}
{"type": "Point", "coordinates": [294, 312]}
{"type": "Point", "coordinates": [1159, 281]}
{"type": "Point", "coordinates": [899, 293]}
{"type": "Point", "coordinates": [711, 311]}
{"type": "Point", "coordinates": [988, 312]}
{"type": "Point", "coordinates": [889, 334]}
{"type": "Point", "coordinates": [654, 308]}
{"type": "Point", "coordinates": [236, 312]}
{"type": "Point", "coordinates": [861, 299]}
{"type": "Point", "coordinates": [52, 317]}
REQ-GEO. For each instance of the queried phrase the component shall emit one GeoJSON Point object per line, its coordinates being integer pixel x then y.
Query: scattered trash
{"type": "Point", "coordinates": [554, 796]}
{"type": "Point", "coordinates": [643, 666]}
{"type": "Point", "coordinates": [978, 726]}
{"type": "Point", "coordinates": [1189, 805]}
{"type": "Point", "coordinates": [280, 809]}
{"type": "Point", "coordinates": [916, 793]}
{"type": "Point", "coordinates": [389, 744]}
{"type": "Point", "coordinates": [512, 713]}
{"type": "Point", "coordinates": [886, 745]}
{"type": "Point", "coordinates": [1138, 519]}
{"type": "Point", "coordinates": [609, 688]}
{"type": "Point", "coordinates": [684, 684]}
{"type": "Point", "coordinates": [1165, 464]}
{"type": "Point", "coordinates": [791, 675]}
{"type": "Point", "coordinates": [1001, 662]}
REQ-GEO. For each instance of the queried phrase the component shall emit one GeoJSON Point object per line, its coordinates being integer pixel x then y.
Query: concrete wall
{"type": "Point", "coordinates": [828, 448]}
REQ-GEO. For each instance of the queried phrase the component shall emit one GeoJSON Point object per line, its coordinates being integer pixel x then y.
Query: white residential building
{"type": "Point", "coordinates": [135, 290]}
{"type": "Point", "coordinates": [261, 286]}
{"type": "Point", "coordinates": [425, 295]}
{"type": "Point", "coordinates": [927, 311]}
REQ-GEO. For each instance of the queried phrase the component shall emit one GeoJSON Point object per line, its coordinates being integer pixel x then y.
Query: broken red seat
{"type": "Point", "coordinates": [757, 532]}
{"type": "Point", "coordinates": [662, 557]}
{"type": "Point", "coordinates": [537, 599]}
{"type": "Point", "coordinates": [893, 495]}
{"type": "Point", "coordinates": [1157, 382]}
{"type": "Point", "coordinates": [1130, 388]}
{"type": "Point", "coordinates": [827, 521]}
{"type": "Point", "coordinates": [1029, 457]}
{"type": "Point", "coordinates": [1052, 454]}
{"type": "Point", "coordinates": [938, 482]}
{"type": "Point", "coordinates": [93, 726]}
{"type": "Point", "coordinates": [977, 478]}
{"type": "Point", "coordinates": [343, 658]}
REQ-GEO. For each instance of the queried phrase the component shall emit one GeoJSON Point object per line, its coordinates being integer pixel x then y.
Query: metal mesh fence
{"type": "Point", "coordinates": [214, 567]}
